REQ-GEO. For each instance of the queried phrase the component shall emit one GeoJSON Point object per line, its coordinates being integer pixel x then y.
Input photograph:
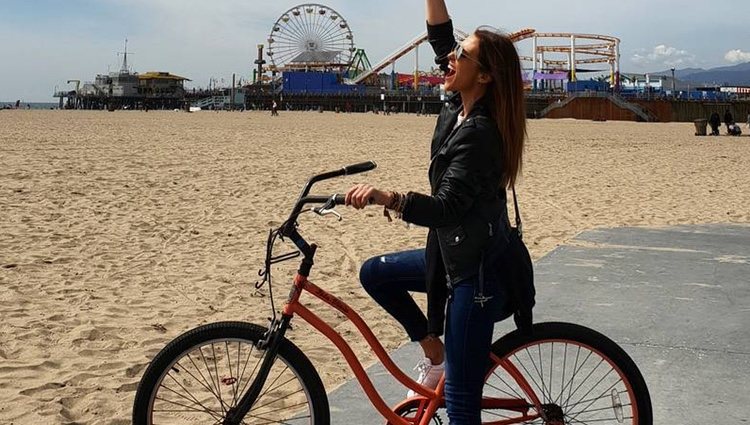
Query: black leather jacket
{"type": "Point", "coordinates": [467, 205]}
{"type": "Point", "coordinates": [465, 202]}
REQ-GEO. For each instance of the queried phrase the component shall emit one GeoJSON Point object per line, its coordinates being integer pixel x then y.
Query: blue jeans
{"type": "Point", "coordinates": [468, 330]}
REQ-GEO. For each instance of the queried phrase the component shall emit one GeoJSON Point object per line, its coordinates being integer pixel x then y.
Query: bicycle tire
{"type": "Point", "coordinates": [529, 353]}
{"type": "Point", "coordinates": [180, 356]}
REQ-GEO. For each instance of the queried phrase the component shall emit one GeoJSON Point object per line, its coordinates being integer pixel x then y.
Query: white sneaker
{"type": "Point", "coordinates": [429, 374]}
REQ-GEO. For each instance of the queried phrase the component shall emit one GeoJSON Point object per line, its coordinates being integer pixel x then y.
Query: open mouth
{"type": "Point", "coordinates": [451, 71]}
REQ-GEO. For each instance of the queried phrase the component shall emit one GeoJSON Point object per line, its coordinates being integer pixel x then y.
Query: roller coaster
{"type": "Point", "coordinates": [544, 60]}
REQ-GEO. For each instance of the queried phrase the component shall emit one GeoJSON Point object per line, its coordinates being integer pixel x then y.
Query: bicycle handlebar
{"type": "Point", "coordinates": [338, 199]}
{"type": "Point", "coordinates": [359, 168]}
{"type": "Point", "coordinates": [289, 228]}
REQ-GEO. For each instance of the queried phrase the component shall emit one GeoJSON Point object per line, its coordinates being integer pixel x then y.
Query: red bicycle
{"type": "Point", "coordinates": [239, 373]}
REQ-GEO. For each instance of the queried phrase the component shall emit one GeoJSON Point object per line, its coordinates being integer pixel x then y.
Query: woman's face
{"type": "Point", "coordinates": [463, 73]}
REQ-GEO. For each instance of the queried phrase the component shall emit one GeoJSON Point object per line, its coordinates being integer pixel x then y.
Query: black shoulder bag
{"type": "Point", "coordinates": [520, 271]}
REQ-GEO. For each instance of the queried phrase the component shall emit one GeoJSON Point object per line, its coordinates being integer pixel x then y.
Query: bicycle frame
{"type": "Point", "coordinates": [434, 397]}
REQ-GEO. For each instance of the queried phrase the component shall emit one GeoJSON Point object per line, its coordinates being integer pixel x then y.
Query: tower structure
{"type": "Point", "coordinates": [125, 69]}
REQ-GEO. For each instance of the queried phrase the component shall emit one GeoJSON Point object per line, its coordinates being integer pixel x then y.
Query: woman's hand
{"type": "Point", "coordinates": [362, 195]}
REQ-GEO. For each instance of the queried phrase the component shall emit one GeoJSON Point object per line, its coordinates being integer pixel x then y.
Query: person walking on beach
{"type": "Point", "coordinates": [274, 109]}
{"type": "Point", "coordinates": [748, 120]}
{"type": "Point", "coordinates": [715, 121]}
{"type": "Point", "coordinates": [728, 119]}
{"type": "Point", "coordinates": [476, 152]}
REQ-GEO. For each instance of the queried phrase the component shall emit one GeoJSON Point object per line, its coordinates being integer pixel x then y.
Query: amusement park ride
{"type": "Point", "coordinates": [315, 38]}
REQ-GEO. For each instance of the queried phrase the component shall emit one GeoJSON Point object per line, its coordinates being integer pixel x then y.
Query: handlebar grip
{"type": "Point", "coordinates": [360, 168]}
{"type": "Point", "coordinates": [339, 199]}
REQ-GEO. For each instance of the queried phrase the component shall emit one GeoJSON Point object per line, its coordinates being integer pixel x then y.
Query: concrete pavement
{"type": "Point", "coordinates": [677, 299]}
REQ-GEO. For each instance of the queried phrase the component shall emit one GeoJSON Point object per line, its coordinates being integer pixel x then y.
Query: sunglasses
{"type": "Point", "coordinates": [459, 53]}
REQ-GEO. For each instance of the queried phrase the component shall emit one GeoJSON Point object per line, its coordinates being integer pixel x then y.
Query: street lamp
{"type": "Point", "coordinates": [673, 83]}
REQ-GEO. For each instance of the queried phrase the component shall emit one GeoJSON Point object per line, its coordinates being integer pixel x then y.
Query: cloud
{"type": "Point", "coordinates": [737, 56]}
{"type": "Point", "coordinates": [664, 55]}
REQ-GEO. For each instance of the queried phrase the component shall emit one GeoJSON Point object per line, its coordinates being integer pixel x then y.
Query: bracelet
{"type": "Point", "coordinates": [397, 204]}
{"type": "Point", "coordinates": [395, 199]}
{"type": "Point", "coordinates": [401, 204]}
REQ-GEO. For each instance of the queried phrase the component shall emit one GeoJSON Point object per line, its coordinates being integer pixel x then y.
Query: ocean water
{"type": "Point", "coordinates": [29, 105]}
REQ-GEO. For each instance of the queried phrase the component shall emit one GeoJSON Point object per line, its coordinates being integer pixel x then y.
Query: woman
{"type": "Point", "coordinates": [476, 153]}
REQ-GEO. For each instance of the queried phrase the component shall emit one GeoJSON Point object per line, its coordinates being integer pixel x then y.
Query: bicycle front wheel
{"type": "Point", "coordinates": [577, 376]}
{"type": "Point", "coordinates": [203, 373]}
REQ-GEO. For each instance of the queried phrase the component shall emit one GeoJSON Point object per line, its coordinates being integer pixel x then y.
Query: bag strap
{"type": "Point", "coordinates": [519, 225]}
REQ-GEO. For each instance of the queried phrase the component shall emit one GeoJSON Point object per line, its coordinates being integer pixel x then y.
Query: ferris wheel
{"type": "Point", "coordinates": [310, 36]}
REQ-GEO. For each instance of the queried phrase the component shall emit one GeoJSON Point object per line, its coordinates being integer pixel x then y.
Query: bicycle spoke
{"type": "Point", "coordinates": [551, 363]}
{"type": "Point", "coordinates": [208, 370]}
{"type": "Point", "coordinates": [231, 375]}
{"type": "Point", "coordinates": [184, 369]}
{"type": "Point", "coordinates": [603, 395]}
{"type": "Point", "coordinates": [218, 379]}
{"type": "Point", "coordinates": [208, 384]}
{"type": "Point", "coordinates": [584, 380]}
{"type": "Point", "coordinates": [541, 373]}
{"type": "Point", "coordinates": [573, 377]}
{"type": "Point", "coordinates": [238, 394]}
{"type": "Point", "coordinates": [272, 383]}
{"type": "Point", "coordinates": [210, 412]}
{"type": "Point", "coordinates": [529, 375]}
{"type": "Point", "coordinates": [499, 415]}
{"type": "Point", "coordinates": [505, 392]}
{"type": "Point", "coordinates": [595, 385]}
{"type": "Point", "coordinates": [562, 380]}
{"type": "Point", "coordinates": [273, 421]}
{"type": "Point", "coordinates": [598, 420]}
{"type": "Point", "coordinates": [249, 380]}
{"type": "Point", "coordinates": [278, 399]}
{"type": "Point", "coordinates": [542, 387]}
{"type": "Point", "coordinates": [285, 407]}
{"type": "Point", "coordinates": [599, 409]}
{"type": "Point", "coordinates": [193, 399]}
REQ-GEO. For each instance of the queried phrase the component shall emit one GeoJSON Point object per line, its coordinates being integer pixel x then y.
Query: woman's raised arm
{"type": "Point", "coordinates": [436, 12]}
{"type": "Point", "coordinates": [440, 32]}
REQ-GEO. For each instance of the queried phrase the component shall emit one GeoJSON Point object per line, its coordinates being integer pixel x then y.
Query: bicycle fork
{"type": "Point", "coordinates": [271, 345]}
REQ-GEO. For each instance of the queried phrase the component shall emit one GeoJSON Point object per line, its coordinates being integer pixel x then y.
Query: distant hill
{"type": "Point", "coordinates": [735, 75]}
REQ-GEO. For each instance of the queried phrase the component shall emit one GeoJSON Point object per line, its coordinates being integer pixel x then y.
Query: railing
{"type": "Point", "coordinates": [615, 99]}
{"type": "Point", "coordinates": [624, 104]}
{"type": "Point", "coordinates": [556, 105]}
{"type": "Point", "coordinates": [212, 101]}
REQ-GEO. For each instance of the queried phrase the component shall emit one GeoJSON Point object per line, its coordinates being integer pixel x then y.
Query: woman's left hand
{"type": "Point", "coordinates": [362, 195]}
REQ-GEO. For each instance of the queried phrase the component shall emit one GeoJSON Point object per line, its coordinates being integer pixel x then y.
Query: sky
{"type": "Point", "coordinates": [44, 43]}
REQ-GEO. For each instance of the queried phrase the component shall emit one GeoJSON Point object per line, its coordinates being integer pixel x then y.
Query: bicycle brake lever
{"type": "Point", "coordinates": [327, 211]}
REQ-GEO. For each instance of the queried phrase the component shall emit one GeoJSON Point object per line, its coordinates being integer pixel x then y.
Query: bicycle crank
{"type": "Point", "coordinates": [409, 410]}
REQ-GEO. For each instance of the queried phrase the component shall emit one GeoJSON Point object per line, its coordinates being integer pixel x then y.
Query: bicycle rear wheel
{"type": "Point", "coordinates": [578, 375]}
{"type": "Point", "coordinates": [203, 373]}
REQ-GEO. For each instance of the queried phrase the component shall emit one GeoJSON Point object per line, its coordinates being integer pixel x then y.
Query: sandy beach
{"type": "Point", "coordinates": [119, 231]}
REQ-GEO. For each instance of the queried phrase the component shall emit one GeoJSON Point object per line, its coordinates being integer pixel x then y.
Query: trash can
{"type": "Point", "coordinates": [700, 127]}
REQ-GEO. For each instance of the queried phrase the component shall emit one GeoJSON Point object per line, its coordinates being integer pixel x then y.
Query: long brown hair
{"type": "Point", "coordinates": [505, 98]}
